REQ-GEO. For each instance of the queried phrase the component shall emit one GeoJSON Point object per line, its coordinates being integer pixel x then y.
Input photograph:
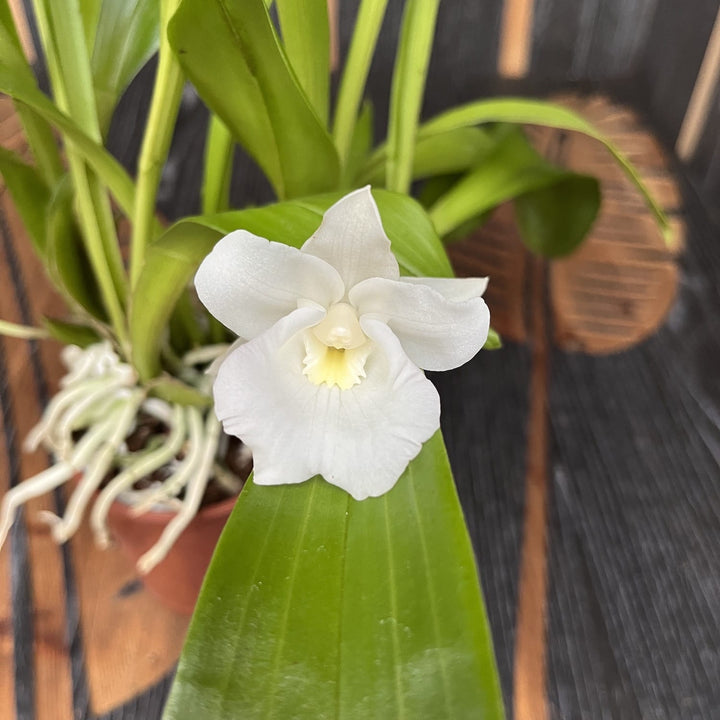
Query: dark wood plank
{"type": "Point", "coordinates": [674, 51]}
{"type": "Point", "coordinates": [589, 40]}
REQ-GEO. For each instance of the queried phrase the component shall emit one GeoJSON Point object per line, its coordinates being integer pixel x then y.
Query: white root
{"type": "Point", "coordinates": [90, 406]}
{"type": "Point", "coordinates": [99, 395]}
{"type": "Point", "coordinates": [33, 487]}
{"type": "Point", "coordinates": [160, 410]}
{"type": "Point", "coordinates": [194, 493]}
{"type": "Point", "coordinates": [147, 465]}
{"type": "Point", "coordinates": [57, 406]}
{"type": "Point", "coordinates": [179, 479]}
{"type": "Point", "coordinates": [204, 355]}
{"type": "Point", "coordinates": [117, 426]}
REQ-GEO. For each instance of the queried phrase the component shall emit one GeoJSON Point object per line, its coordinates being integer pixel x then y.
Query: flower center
{"type": "Point", "coordinates": [336, 349]}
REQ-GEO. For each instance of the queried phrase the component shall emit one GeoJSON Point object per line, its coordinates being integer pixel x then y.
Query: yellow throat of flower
{"type": "Point", "coordinates": [336, 349]}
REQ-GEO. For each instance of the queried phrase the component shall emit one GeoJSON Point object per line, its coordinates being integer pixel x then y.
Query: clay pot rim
{"type": "Point", "coordinates": [162, 517]}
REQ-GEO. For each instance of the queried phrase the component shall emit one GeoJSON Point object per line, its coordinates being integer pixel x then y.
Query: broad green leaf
{"type": "Point", "coordinates": [306, 39]}
{"type": "Point", "coordinates": [408, 86]}
{"type": "Point", "coordinates": [70, 333]}
{"type": "Point", "coordinates": [171, 260]}
{"type": "Point", "coordinates": [112, 174]}
{"type": "Point", "coordinates": [512, 169]}
{"type": "Point", "coordinates": [534, 112]}
{"type": "Point", "coordinates": [318, 606]}
{"type": "Point", "coordinates": [127, 36]}
{"type": "Point", "coordinates": [554, 220]}
{"type": "Point", "coordinates": [30, 195]}
{"type": "Point", "coordinates": [244, 77]}
{"type": "Point", "coordinates": [66, 258]}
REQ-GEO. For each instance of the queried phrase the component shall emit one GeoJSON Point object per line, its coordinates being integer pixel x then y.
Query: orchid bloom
{"type": "Point", "coordinates": [328, 381]}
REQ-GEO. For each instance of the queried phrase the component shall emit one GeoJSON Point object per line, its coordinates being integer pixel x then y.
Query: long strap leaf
{"type": "Point", "coordinates": [408, 86]}
{"type": "Point", "coordinates": [306, 38]}
{"type": "Point", "coordinates": [530, 112]}
{"type": "Point", "coordinates": [357, 66]}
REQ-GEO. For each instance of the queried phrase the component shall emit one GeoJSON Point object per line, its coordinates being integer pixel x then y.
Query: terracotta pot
{"type": "Point", "coordinates": [177, 579]}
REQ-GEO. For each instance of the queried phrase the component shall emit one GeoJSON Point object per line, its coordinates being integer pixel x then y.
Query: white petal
{"type": "Point", "coordinates": [360, 439]}
{"type": "Point", "coordinates": [455, 289]}
{"type": "Point", "coordinates": [352, 239]}
{"type": "Point", "coordinates": [249, 283]}
{"type": "Point", "coordinates": [435, 333]}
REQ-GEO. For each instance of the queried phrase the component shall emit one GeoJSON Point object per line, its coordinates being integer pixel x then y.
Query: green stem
{"type": "Point", "coordinates": [367, 27]}
{"type": "Point", "coordinates": [408, 87]}
{"type": "Point", "coordinates": [167, 94]}
{"type": "Point", "coordinates": [92, 203]}
{"type": "Point", "coordinates": [24, 332]}
{"type": "Point", "coordinates": [217, 172]}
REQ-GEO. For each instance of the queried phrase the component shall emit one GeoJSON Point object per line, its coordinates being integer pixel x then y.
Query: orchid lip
{"type": "Point", "coordinates": [336, 349]}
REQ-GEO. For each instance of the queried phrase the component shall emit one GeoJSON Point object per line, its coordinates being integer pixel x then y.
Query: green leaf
{"type": "Point", "coordinates": [512, 169]}
{"type": "Point", "coordinates": [357, 65]}
{"type": "Point", "coordinates": [306, 38]}
{"type": "Point", "coordinates": [14, 83]}
{"type": "Point", "coordinates": [70, 333]}
{"type": "Point", "coordinates": [493, 342]}
{"type": "Point", "coordinates": [534, 112]}
{"type": "Point", "coordinates": [318, 606]}
{"type": "Point", "coordinates": [170, 263]}
{"type": "Point", "coordinates": [408, 86]}
{"type": "Point", "coordinates": [30, 195]}
{"type": "Point", "coordinates": [66, 260]}
{"type": "Point", "coordinates": [127, 36]}
{"type": "Point", "coordinates": [63, 32]}
{"type": "Point", "coordinates": [554, 220]}
{"type": "Point", "coordinates": [90, 12]}
{"type": "Point", "coordinates": [171, 260]}
{"type": "Point", "coordinates": [38, 132]}
{"type": "Point", "coordinates": [173, 390]}
{"type": "Point", "coordinates": [217, 167]}
{"type": "Point", "coordinates": [360, 146]}
{"type": "Point", "coordinates": [443, 154]}
{"type": "Point", "coordinates": [244, 77]}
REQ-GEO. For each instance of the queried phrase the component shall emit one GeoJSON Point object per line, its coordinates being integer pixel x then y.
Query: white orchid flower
{"type": "Point", "coordinates": [329, 380]}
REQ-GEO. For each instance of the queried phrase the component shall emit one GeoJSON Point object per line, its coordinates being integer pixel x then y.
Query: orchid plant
{"type": "Point", "coordinates": [350, 589]}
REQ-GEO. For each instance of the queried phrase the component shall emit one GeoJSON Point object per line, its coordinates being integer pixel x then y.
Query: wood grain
{"type": "Point", "coordinates": [530, 669]}
{"type": "Point", "coordinates": [617, 288]}
{"type": "Point", "coordinates": [130, 641]}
